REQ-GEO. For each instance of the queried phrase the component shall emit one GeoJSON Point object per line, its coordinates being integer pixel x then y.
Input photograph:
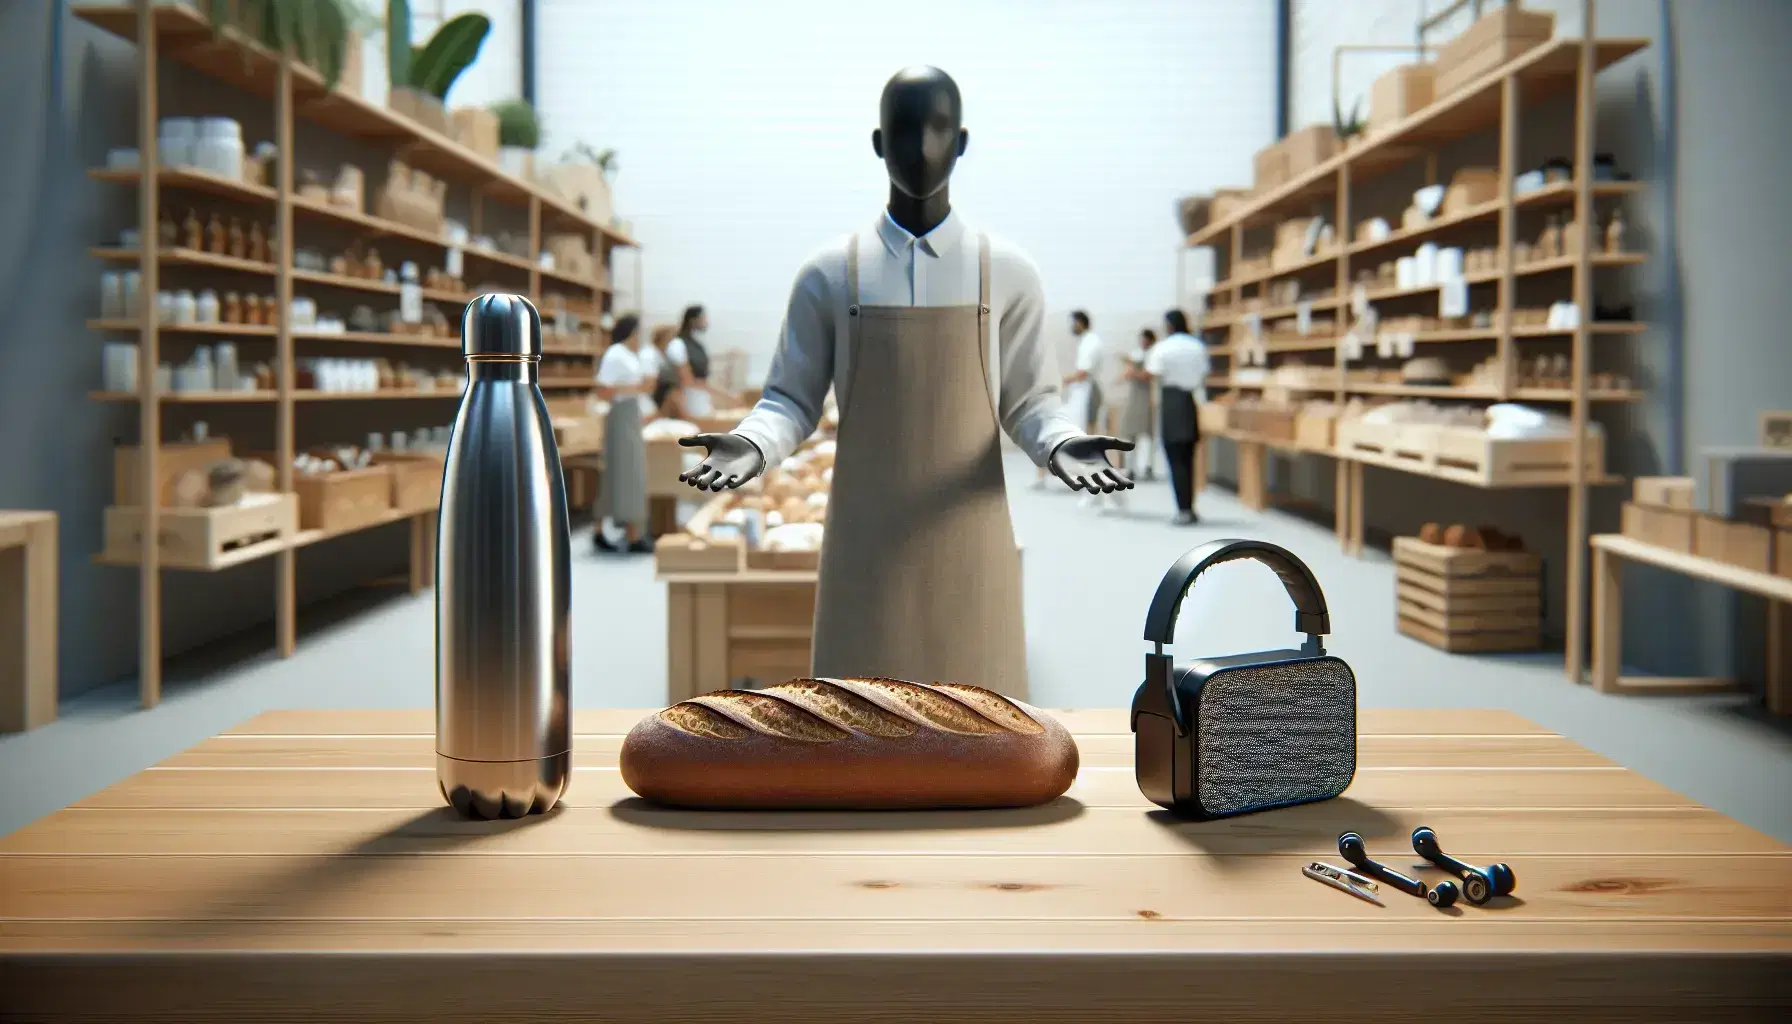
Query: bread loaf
{"type": "Point", "coordinates": [849, 744]}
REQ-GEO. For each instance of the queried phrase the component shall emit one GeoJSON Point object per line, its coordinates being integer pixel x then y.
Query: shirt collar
{"type": "Point", "coordinates": [941, 241]}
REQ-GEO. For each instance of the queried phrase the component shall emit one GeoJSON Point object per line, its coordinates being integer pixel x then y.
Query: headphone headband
{"type": "Point", "coordinates": [1310, 615]}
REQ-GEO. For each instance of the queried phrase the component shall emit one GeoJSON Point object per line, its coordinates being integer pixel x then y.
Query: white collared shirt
{"type": "Point", "coordinates": [621, 367]}
{"type": "Point", "coordinates": [1088, 353]}
{"type": "Point", "coordinates": [898, 269]}
{"type": "Point", "coordinates": [1179, 361]}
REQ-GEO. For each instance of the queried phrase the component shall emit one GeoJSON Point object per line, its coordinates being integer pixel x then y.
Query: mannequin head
{"type": "Point", "coordinates": [920, 133]}
{"type": "Point", "coordinates": [1079, 323]}
{"type": "Point", "coordinates": [695, 322]}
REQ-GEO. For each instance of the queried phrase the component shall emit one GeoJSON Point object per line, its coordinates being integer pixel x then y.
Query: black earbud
{"type": "Point", "coordinates": [1478, 884]}
{"type": "Point", "coordinates": [1351, 848]}
{"type": "Point", "coordinates": [1443, 894]}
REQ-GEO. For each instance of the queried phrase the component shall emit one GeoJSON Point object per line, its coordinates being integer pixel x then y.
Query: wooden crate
{"type": "Point", "coordinates": [681, 552]}
{"type": "Point", "coordinates": [1496, 38]}
{"type": "Point", "coordinates": [791, 561]}
{"type": "Point", "coordinates": [416, 479]}
{"type": "Point", "coordinates": [1670, 528]}
{"type": "Point", "coordinates": [171, 461]}
{"type": "Point", "coordinates": [665, 461]}
{"type": "Point", "coordinates": [1314, 431]}
{"type": "Point", "coordinates": [1743, 545]}
{"type": "Point", "coordinates": [205, 538]}
{"type": "Point", "coordinates": [578, 435]}
{"type": "Point", "coordinates": [1470, 456]}
{"type": "Point", "coordinates": [1212, 417]}
{"type": "Point", "coordinates": [334, 502]}
{"type": "Point", "coordinates": [1666, 491]}
{"type": "Point", "coordinates": [1463, 600]}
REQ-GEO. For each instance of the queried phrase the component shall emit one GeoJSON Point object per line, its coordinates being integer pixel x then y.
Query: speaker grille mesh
{"type": "Point", "coordinates": [1279, 734]}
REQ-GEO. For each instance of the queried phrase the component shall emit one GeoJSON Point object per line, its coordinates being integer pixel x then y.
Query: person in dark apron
{"type": "Point", "coordinates": [1179, 365]}
{"type": "Point", "coordinates": [1138, 414]}
{"type": "Point", "coordinates": [622, 490]}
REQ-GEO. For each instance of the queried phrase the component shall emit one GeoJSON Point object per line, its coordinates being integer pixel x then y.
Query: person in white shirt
{"type": "Point", "coordinates": [622, 381]}
{"type": "Point", "coordinates": [1179, 364]}
{"type": "Point", "coordinates": [1138, 417]}
{"type": "Point", "coordinates": [688, 354]}
{"type": "Point", "coordinates": [929, 334]}
{"type": "Point", "coordinates": [1083, 398]}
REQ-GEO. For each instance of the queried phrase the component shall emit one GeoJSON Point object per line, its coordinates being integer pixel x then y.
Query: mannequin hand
{"type": "Point", "coordinates": [1082, 463]}
{"type": "Point", "coordinates": [730, 460]}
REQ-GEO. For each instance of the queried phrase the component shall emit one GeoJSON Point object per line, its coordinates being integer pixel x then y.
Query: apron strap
{"type": "Point", "coordinates": [852, 278]}
{"type": "Point", "coordinates": [983, 319]}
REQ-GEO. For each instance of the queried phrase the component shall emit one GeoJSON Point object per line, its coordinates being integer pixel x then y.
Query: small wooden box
{"type": "Point", "coordinates": [1666, 491]}
{"type": "Point", "coordinates": [665, 461]}
{"type": "Point", "coordinates": [1212, 417]}
{"type": "Point", "coordinates": [420, 107]}
{"type": "Point", "coordinates": [335, 502]}
{"type": "Point", "coordinates": [1401, 93]}
{"type": "Point", "coordinates": [1470, 187]}
{"type": "Point", "coordinates": [1313, 430]}
{"type": "Point", "coordinates": [784, 561]}
{"type": "Point", "coordinates": [1464, 600]}
{"type": "Point", "coordinates": [1226, 203]}
{"type": "Point", "coordinates": [1774, 513]}
{"type": "Point", "coordinates": [1670, 528]}
{"type": "Point", "coordinates": [1309, 147]}
{"type": "Point", "coordinates": [1743, 545]}
{"type": "Point", "coordinates": [681, 552]}
{"type": "Point", "coordinates": [172, 460]}
{"type": "Point", "coordinates": [578, 435]}
{"type": "Point", "coordinates": [1496, 38]}
{"type": "Point", "coordinates": [477, 129]}
{"type": "Point", "coordinates": [205, 538]}
{"type": "Point", "coordinates": [1269, 168]}
{"type": "Point", "coordinates": [416, 480]}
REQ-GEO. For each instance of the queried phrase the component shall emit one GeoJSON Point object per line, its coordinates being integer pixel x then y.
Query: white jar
{"type": "Point", "coordinates": [205, 375]}
{"type": "Point", "coordinates": [186, 307]}
{"type": "Point", "coordinates": [410, 295]}
{"type": "Point", "coordinates": [174, 141]}
{"type": "Point", "coordinates": [208, 307]}
{"type": "Point", "coordinates": [218, 147]}
{"type": "Point", "coordinates": [228, 372]}
{"type": "Point", "coordinates": [164, 307]}
{"type": "Point", "coordinates": [112, 295]}
{"type": "Point", "coordinates": [119, 367]}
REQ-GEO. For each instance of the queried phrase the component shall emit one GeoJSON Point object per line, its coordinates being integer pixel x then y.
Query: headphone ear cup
{"type": "Point", "coordinates": [1477, 888]}
{"type": "Point", "coordinates": [1443, 894]}
{"type": "Point", "coordinates": [1502, 878]}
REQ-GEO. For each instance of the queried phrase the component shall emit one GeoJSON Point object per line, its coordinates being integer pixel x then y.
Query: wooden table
{"type": "Point", "coordinates": [1610, 551]}
{"type": "Point", "coordinates": [301, 867]}
{"type": "Point", "coordinates": [28, 577]}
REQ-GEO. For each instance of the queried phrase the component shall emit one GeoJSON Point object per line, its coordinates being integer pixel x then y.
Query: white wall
{"type": "Point", "coordinates": [743, 131]}
{"type": "Point", "coordinates": [1319, 26]}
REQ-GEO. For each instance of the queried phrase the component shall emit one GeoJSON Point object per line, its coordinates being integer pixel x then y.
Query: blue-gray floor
{"type": "Point", "coordinates": [1088, 581]}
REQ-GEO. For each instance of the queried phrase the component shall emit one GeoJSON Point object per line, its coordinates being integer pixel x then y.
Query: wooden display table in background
{"type": "Point", "coordinates": [1610, 551]}
{"type": "Point", "coordinates": [28, 578]}
{"type": "Point", "coordinates": [302, 867]}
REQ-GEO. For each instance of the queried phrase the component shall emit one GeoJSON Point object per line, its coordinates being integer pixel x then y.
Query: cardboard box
{"type": "Point", "coordinates": [1496, 38]}
{"type": "Point", "coordinates": [1665, 527]}
{"type": "Point", "coordinates": [1309, 147]}
{"type": "Point", "coordinates": [784, 561]}
{"type": "Point", "coordinates": [1469, 187]}
{"type": "Point", "coordinates": [1399, 94]}
{"type": "Point", "coordinates": [420, 107]}
{"type": "Point", "coordinates": [1665, 491]}
{"type": "Point", "coordinates": [477, 129]}
{"type": "Point", "coordinates": [172, 460]}
{"type": "Point", "coordinates": [1269, 168]}
{"type": "Point", "coordinates": [1774, 513]}
{"type": "Point", "coordinates": [681, 552]}
{"type": "Point", "coordinates": [416, 479]}
{"type": "Point", "coordinates": [1743, 545]}
{"type": "Point", "coordinates": [335, 502]}
{"type": "Point", "coordinates": [1227, 202]}
{"type": "Point", "coordinates": [582, 185]}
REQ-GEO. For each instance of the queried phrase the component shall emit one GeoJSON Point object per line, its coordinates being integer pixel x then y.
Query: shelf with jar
{"type": "Point", "coordinates": [259, 274]}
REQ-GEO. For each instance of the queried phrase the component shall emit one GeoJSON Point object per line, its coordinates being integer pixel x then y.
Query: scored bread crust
{"type": "Point", "coordinates": [849, 744]}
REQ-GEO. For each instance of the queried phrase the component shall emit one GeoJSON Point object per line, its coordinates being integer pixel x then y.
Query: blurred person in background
{"type": "Point", "coordinates": [1179, 365]}
{"type": "Point", "coordinates": [688, 353]}
{"type": "Point", "coordinates": [1138, 419]}
{"type": "Point", "coordinates": [622, 493]}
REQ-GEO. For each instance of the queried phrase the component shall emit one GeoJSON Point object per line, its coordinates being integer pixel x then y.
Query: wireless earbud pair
{"type": "Point", "coordinates": [1478, 884]}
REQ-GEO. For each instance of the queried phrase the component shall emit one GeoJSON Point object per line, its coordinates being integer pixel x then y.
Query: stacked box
{"type": "Point", "coordinates": [1463, 600]}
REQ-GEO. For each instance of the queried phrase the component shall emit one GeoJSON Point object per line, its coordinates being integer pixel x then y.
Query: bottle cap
{"type": "Point", "coordinates": [499, 326]}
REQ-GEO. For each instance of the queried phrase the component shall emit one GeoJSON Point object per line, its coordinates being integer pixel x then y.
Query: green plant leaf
{"type": "Point", "coordinates": [518, 124]}
{"type": "Point", "coordinates": [398, 42]}
{"type": "Point", "coordinates": [454, 46]}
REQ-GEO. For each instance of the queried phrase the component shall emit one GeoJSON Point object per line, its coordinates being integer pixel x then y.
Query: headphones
{"type": "Point", "coordinates": [1200, 725]}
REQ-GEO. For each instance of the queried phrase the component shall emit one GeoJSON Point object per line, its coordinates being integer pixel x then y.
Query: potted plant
{"type": "Point", "coordinates": [583, 178]}
{"type": "Point", "coordinates": [322, 34]}
{"type": "Point", "coordinates": [519, 136]}
{"type": "Point", "coordinates": [421, 76]}
{"type": "Point", "coordinates": [1350, 130]}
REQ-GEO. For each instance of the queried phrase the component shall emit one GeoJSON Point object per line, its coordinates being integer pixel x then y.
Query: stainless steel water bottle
{"type": "Point", "coordinates": [503, 580]}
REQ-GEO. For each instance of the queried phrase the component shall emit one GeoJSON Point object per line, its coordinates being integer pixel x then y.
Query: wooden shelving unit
{"type": "Point", "coordinates": [182, 35]}
{"type": "Point", "coordinates": [1563, 67]}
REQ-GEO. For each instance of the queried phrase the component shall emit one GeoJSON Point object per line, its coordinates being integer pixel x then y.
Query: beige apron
{"type": "Point", "coordinates": [920, 579]}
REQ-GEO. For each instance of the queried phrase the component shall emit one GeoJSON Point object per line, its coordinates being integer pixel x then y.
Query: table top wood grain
{"type": "Point", "coordinates": [302, 867]}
